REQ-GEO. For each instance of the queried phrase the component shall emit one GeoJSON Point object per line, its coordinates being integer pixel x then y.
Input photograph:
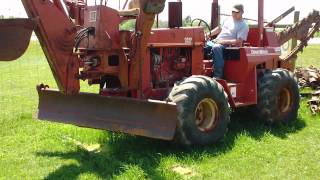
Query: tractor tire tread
{"type": "Point", "coordinates": [269, 85]}
{"type": "Point", "coordinates": [187, 94]}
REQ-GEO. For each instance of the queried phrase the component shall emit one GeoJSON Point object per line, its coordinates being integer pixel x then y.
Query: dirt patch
{"type": "Point", "coordinates": [184, 171]}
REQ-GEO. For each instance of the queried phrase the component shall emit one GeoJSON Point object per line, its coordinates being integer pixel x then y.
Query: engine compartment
{"type": "Point", "coordinates": [169, 65]}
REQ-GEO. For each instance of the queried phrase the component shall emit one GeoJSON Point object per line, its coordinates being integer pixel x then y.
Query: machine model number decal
{"type": "Point", "coordinates": [93, 16]}
{"type": "Point", "coordinates": [188, 40]}
{"type": "Point", "coordinates": [259, 52]}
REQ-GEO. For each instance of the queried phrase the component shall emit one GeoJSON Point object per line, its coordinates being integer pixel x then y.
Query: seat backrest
{"type": "Point", "coordinates": [253, 35]}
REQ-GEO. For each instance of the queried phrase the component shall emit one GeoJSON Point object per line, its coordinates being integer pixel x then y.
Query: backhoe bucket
{"type": "Point", "coordinates": [15, 36]}
{"type": "Point", "coordinates": [154, 119]}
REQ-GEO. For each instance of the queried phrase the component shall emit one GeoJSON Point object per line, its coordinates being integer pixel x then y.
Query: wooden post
{"type": "Point", "coordinates": [296, 19]}
{"type": "Point", "coordinates": [294, 42]}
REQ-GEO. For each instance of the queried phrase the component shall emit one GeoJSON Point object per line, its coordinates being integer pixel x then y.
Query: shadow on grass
{"type": "Point", "coordinates": [113, 157]}
{"type": "Point", "coordinates": [242, 122]}
{"type": "Point", "coordinates": [122, 150]}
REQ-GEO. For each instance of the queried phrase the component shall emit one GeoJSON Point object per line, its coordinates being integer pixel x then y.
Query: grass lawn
{"type": "Point", "coordinates": [32, 149]}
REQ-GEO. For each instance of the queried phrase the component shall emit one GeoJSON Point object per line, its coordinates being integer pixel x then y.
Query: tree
{"type": "Point", "coordinates": [187, 21]}
{"type": "Point", "coordinates": [128, 25]}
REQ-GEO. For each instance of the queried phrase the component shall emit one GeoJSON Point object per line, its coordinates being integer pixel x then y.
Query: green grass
{"type": "Point", "coordinates": [32, 149]}
{"type": "Point", "coordinates": [309, 56]}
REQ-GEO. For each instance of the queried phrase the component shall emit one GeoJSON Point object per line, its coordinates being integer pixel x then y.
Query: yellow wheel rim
{"type": "Point", "coordinates": [284, 100]}
{"type": "Point", "coordinates": [207, 114]}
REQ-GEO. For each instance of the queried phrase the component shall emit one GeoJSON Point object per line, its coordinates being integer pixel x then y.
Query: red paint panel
{"type": "Point", "coordinates": [188, 36]}
{"type": "Point", "coordinates": [106, 21]}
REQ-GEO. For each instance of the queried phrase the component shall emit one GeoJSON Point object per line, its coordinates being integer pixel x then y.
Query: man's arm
{"type": "Point", "coordinates": [214, 31]}
{"type": "Point", "coordinates": [233, 42]}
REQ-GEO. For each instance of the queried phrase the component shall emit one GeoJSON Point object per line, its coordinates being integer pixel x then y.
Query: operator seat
{"type": "Point", "coordinates": [233, 53]}
{"type": "Point", "coordinates": [252, 39]}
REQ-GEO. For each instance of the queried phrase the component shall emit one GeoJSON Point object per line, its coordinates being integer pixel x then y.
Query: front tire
{"type": "Point", "coordinates": [278, 97]}
{"type": "Point", "coordinates": [203, 110]}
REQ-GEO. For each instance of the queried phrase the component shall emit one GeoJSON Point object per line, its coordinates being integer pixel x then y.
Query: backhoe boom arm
{"type": "Point", "coordinates": [56, 35]}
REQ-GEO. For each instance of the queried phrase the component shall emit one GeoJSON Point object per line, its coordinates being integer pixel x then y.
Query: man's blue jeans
{"type": "Point", "coordinates": [217, 55]}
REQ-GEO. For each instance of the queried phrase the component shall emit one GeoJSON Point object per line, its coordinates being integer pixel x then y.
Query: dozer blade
{"type": "Point", "coordinates": [15, 36]}
{"type": "Point", "coordinates": [154, 119]}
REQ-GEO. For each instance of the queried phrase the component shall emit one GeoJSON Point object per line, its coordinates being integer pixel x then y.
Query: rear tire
{"type": "Point", "coordinates": [203, 110]}
{"type": "Point", "coordinates": [278, 97]}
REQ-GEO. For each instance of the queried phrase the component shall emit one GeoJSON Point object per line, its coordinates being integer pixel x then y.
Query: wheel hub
{"type": "Point", "coordinates": [284, 100]}
{"type": "Point", "coordinates": [206, 114]}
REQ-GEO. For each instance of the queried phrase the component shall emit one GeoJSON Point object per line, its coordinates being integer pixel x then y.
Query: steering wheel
{"type": "Point", "coordinates": [207, 36]}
